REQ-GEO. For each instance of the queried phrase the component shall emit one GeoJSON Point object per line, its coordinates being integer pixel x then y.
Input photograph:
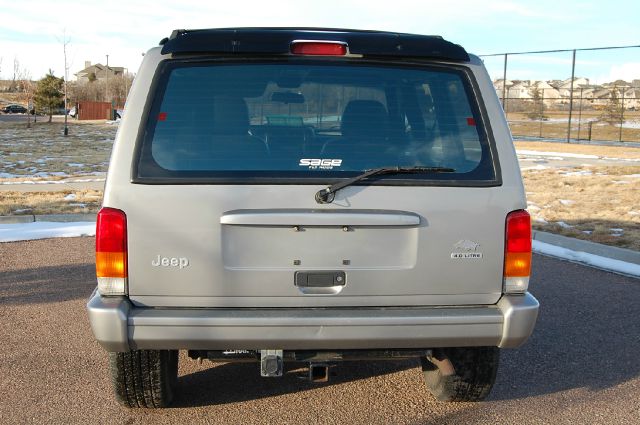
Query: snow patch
{"type": "Point", "coordinates": [70, 197]}
{"type": "Point", "coordinates": [564, 225]}
{"type": "Point", "coordinates": [50, 181]}
{"type": "Point", "coordinates": [576, 173]}
{"type": "Point", "coordinates": [44, 229]}
{"type": "Point", "coordinates": [556, 154]}
{"type": "Point", "coordinates": [620, 159]}
{"type": "Point", "coordinates": [537, 167]}
{"type": "Point", "coordinates": [567, 202]}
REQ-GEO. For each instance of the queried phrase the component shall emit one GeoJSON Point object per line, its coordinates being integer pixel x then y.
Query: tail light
{"type": "Point", "coordinates": [517, 252]}
{"type": "Point", "coordinates": [111, 252]}
{"type": "Point", "coordinates": [319, 48]}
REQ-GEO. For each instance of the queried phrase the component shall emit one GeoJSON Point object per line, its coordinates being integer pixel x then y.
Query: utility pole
{"type": "Point", "coordinates": [504, 85]}
{"type": "Point", "coordinates": [66, 78]}
{"type": "Point", "coordinates": [126, 85]}
{"type": "Point", "coordinates": [106, 89]}
{"type": "Point", "coordinates": [573, 73]}
{"type": "Point", "coordinates": [580, 113]}
{"type": "Point", "coordinates": [621, 115]}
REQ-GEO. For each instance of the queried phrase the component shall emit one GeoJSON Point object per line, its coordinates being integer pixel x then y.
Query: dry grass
{"type": "Point", "coordinates": [590, 206]}
{"type": "Point", "coordinates": [43, 151]}
{"type": "Point", "coordinates": [521, 125]}
{"type": "Point", "coordinates": [22, 203]}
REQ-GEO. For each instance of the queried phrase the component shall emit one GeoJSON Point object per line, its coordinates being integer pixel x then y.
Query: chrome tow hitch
{"type": "Point", "coordinates": [271, 363]}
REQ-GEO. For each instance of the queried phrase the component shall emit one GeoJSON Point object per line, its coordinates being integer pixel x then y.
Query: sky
{"type": "Point", "coordinates": [32, 32]}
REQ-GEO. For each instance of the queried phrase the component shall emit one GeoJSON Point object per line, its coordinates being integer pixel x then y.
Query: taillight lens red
{"type": "Point", "coordinates": [111, 243]}
{"type": "Point", "coordinates": [517, 258]}
{"type": "Point", "coordinates": [315, 48]}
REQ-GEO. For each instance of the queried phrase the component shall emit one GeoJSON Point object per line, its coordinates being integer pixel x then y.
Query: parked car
{"type": "Point", "coordinates": [316, 196]}
{"type": "Point", "coordinates": [14, 109]}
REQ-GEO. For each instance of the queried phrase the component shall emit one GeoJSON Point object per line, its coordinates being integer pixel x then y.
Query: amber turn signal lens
{"type": "Point", "coordinates": [111, 264]}
{"type": "Point", "coordinates": [517, 264]}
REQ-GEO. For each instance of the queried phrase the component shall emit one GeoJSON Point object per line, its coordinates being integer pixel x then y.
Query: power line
{"type": "Point", "coordinates": [561, 50]}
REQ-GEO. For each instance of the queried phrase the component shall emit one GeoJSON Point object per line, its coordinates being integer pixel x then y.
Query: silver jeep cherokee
{"type": "Point", "coordinates": [311, 195]}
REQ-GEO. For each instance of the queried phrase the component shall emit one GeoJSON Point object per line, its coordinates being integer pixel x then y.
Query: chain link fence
{"type": "Point", "coordinates": [585, 102]}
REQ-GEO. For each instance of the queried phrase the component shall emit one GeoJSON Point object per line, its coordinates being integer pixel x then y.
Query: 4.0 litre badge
{"type": "Point", "coordinates": [466, 250]}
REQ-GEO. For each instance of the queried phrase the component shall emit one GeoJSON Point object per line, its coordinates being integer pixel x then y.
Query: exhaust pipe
{"type": "Point", "coordinates": [318, 372]}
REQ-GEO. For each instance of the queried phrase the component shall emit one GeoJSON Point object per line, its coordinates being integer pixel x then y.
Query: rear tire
{"type": "Point", "coordinates": [474, 376]}
{"type": "Point", "coordinates": [144, 378]}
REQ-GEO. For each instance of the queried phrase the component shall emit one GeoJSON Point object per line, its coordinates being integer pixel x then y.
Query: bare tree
{"type": "Point", "coordinates": [613, 113]}
{"type": "Point", "coordinates": [94, 90]}
{"type": "Point", "coordinates": [24, 86]}
{"type": "Point", "coordinates": [536, 106]}
{"type": "Point", "coordinates": [16, 71]}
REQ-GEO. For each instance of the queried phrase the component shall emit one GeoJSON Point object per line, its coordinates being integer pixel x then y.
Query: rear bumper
{"type": "Point", "coordinates": [119, 326]}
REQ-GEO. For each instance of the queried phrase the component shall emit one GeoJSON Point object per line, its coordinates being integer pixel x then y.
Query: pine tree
{"type": "Point", "coordinates": [49, 93]}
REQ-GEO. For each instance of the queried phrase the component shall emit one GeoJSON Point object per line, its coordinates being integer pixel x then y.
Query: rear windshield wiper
{"type": "Point", "coordinates": [327, 195]}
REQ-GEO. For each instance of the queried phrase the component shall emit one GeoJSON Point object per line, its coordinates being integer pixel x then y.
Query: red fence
{"type": "Point", "coordinates": [94, 110]}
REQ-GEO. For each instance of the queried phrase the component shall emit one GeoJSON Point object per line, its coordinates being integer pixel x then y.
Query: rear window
{"type": "Point", "coordinates": [309, 121]}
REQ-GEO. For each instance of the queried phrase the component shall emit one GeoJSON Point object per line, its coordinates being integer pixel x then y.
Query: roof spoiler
{"type": "Point", "coordinates": [278, 41]}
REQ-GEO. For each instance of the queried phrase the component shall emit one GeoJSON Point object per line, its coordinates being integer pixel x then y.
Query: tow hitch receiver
{"type": "Point", "coordinates": [318, 372]}
{"type": "Point", "coordinates": [271, 363]}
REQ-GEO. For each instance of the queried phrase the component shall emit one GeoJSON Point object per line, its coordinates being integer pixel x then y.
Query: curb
{"type": "Point", "coordinates": [612, 252]}
{"type": "Point", "coordinates": [59, 218]}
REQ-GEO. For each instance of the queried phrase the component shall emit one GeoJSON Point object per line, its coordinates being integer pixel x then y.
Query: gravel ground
{"type": "Point", "coordinates": [580, 366]}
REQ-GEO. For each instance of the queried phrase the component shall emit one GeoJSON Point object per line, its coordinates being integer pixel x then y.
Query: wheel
{"type": "Point", "coordinates": [474, 373]}
{"type": "Point", "coordinates": [144, 378]}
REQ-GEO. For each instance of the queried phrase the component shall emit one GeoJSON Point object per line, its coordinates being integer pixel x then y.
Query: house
{"type": "Point", "coordinates": [98, 72]}
{"type": "Point", "coordinates": [548, 93]}
{"type": "Point", "coordinates": [520, 90]}
{"type": "Point", "coordinates": [617, 84]}
{"type": "Point", "coordinates": [564, 87]}
{"type": "Point", "coordinates": [500, 84]}
{"type": "Point", "coordinates": [577, 83]}
{"type": "Point", "coordinates": [602, 93]}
